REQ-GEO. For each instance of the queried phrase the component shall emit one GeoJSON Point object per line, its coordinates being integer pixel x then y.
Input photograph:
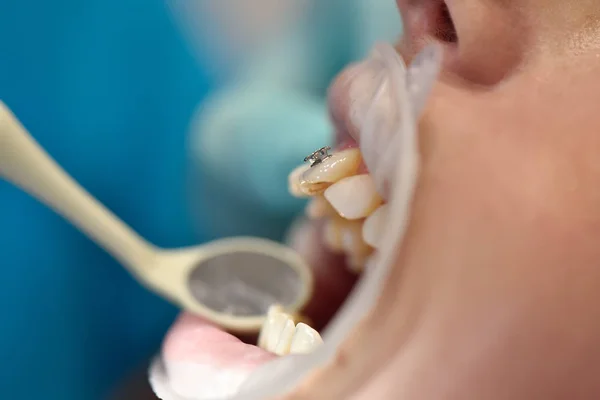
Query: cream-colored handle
{"type": "Point", "coordinates": [25, 163]}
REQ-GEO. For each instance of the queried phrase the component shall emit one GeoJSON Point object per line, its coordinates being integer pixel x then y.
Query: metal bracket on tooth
{"type": "Point", "coordinates": [318, 156]}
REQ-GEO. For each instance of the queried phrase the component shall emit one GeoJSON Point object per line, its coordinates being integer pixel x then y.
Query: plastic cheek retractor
{"type": "Point", "coordinates": [407, 89]}
{"type": "Point", "coordinates": [390, 150]}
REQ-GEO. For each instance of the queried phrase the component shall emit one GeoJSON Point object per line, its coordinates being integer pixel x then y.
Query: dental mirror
{"type": "Point", "coordinates": [231, 282]}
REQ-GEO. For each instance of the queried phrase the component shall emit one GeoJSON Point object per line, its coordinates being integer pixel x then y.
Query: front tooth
{"type": "Point", "coordinates": [274, 334]}
{"type": "Point", "coordinates": [285, 339]}
{"type": "Point", "coordinates": [294, 181]}
{"type": "Point", "coordinates": [319, 207]}
{"type": "Point", "coordinates": [266, 327]}
{"type": "Point", "coordinates": [354, 197]}
{"type": "Point", "coordinates": [272, 329]}
{"type": "Point", "coordinates": [374, 225]}
{"type": "Point", "coordinates": [338, 166]}
{"type": "Point", "coordinates": [305, 340]}
{"type": "Point", "coordinates": [308, 180]}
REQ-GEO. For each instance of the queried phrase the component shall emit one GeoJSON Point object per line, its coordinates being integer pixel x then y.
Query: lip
{"type": "Point", "coordinates": [338, 105]}
{"type": "Point", "coordinates": [419, 20]}
{"type": "Point", "coordinates": [382, 71]}
{"type": "Point", "coordinates": [284, 374]}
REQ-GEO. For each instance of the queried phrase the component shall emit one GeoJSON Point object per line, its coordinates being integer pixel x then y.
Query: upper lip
{"type": "Point", "coordinates": [338, 107]}
{"type": "Point", "coordinates": [421, 20]}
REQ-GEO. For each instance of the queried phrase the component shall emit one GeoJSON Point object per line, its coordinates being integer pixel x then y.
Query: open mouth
{"type": "Point", "coordinates": [351, 194]}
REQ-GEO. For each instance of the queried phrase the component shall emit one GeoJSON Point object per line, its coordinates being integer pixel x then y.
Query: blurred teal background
{"type": "Point", "coordinates": [108, 87]}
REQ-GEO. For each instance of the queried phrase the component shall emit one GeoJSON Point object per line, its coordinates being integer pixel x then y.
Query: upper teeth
{"type": "Point", "coordinates": [307, 180]}
{"type": "Point", "coordinates": [281, 336]}
{"type": "Point", "coordinates": [354, 197]}
{"type": "Point", "coordinates": [340, 191]}
{"type": "Point", "coordinates": [373, 224]}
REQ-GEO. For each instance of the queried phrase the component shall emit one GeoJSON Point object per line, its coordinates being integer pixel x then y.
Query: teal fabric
{"type": "Point", "coordinates": [109, 88]}
{"type": "Point", "coordinates": [251, 134]}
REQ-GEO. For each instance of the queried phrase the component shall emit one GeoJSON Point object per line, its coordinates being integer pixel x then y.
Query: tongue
{"type": "Point", "coordinates": [202, 361]}
{"type": "Point", "coordinates": [192, 339]}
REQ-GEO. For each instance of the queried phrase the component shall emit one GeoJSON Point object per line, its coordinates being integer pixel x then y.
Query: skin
{"type": "Point", "coordinates": [495, 291]}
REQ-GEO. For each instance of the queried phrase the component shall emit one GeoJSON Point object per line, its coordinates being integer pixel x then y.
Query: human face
{"type": "Point", "coordinates": [493, 291]}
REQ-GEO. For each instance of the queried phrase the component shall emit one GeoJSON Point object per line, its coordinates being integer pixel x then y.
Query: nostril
{"type": "Point", "coordinates": [444, 25]}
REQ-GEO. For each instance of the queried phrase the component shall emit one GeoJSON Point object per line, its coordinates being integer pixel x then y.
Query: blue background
{"type": "Point", "coordinates": [108, 87]}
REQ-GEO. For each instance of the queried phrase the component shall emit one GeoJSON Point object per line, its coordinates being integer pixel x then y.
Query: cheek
{"type": "Point", "coordinates": [491, 58]}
